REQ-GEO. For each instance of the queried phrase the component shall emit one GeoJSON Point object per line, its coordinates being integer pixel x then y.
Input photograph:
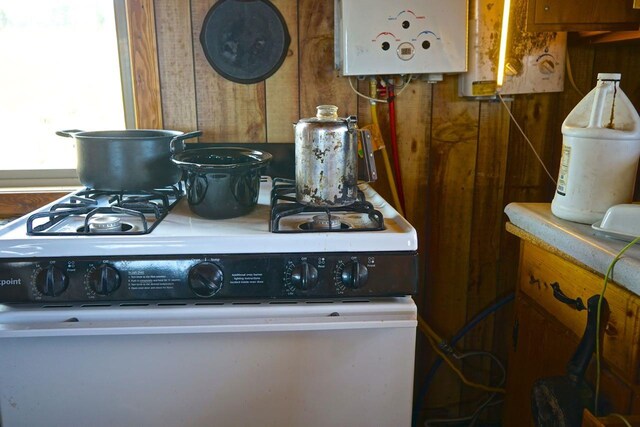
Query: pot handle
{"type": "Point", "coordinates": [70, 133]}
{"type": "Point", "coordinates": [173, 145]}
{"type": "Point", "coordinates": [371, 173]}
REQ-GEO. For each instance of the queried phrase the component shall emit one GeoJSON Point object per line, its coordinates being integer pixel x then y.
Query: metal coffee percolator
{"type": "Point", "coordinates": [326, 150]}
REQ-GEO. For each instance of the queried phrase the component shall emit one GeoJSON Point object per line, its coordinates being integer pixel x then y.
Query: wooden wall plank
{"type": "Point", "coordinates": [454, 135]}
{"type": "Point", "coordinates": [414, 116]}
{"type": "Point", "coordinates": [413, 111]}
{"type": "Point", "coordinates": [488, 217]}
{"type": "Point", "coordinates": [319, 82]}
{"type": "Point", "coordinates": [17, 204]}
{"type": "Point", "coordinates": [282, 92]}
{"type": "Point", "coordinates": [486, 229]}
{"type": "Point", "coordinates": [526, 181]}
{"type": "Point", "coordinates": [227, 111]}
{"type": "Point", "coordinates": [175, 60]}
{"type": "Point", "coordinates": [538, 117]}
{"type": "Point", "coordinates": [144, 64]}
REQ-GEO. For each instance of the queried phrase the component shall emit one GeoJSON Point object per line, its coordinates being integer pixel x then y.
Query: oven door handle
{"type": "Point", "coordinates": [74, 327]}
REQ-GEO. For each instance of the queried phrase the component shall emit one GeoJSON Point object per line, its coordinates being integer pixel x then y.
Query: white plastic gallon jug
{"type": "Point", "coordinates": [600, 151]}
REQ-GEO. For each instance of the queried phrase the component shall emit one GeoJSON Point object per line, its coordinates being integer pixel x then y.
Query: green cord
{"type": "Point", "coordinates": [624, 420]}
{"type": "Point", "coordinates": [604, 288]}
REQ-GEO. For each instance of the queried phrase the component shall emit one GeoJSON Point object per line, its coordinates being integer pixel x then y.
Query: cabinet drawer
{"type": "Point", "coordinates": [586, 15]}
{"type": "Point", "coordinates": [539, 269]}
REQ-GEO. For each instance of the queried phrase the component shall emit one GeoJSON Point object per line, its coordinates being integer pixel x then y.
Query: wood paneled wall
{"type": "Point", "coordinates": [462, 160]}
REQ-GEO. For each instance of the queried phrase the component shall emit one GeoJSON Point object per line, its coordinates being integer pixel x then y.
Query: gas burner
{"type": "Point", "coordinates": [99, 212]}
{"type": "Point", "coordinates": [105, 224]}
{"type": "Point", "coordinates": [289, 216]}
{"type": "Point", "coordinates": [325, 222]}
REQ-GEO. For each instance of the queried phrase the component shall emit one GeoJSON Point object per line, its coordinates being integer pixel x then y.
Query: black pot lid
{"type": "Point", "coordinates": [220, 159]}
{"type": "Point", "coordinates": [245, 41]}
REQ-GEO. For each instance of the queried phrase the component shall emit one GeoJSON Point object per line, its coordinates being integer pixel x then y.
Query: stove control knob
{"type": "Point", "coordinates": [354, 275]}
{"type": "Point", "coordinates": [104, 280]}
{"type": "Point", "coordinates": [206, 279]}
{"type": "Point", "coordinates": [51, 281]}
{"type": "Point", "coordinates": [304, 276]}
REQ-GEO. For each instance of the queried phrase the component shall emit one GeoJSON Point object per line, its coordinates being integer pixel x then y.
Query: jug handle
{"type": "Point", "coordinates": [369, 160]}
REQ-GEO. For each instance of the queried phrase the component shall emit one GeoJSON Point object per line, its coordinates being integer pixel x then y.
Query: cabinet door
{"type": "Point", "coordinates": [583, 15]}
{"type": "Point", "coordinates": [541, 347]}
{"type": "Point", "coordinates": [540, 270]}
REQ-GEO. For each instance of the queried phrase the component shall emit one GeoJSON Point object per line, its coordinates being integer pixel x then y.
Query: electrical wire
{"type": "Point", "coordinates": [624, 420]}
{"type": "Point", "coordinates": [372, 99]}
{"type": "Point", "coordinates": [433, 338]}
{"type": "Point", "coordinates": [570, 75]}
{"type": "Point", "coordinates": [457, 337]}
{"type": "Point", "coordinates": [360, 94]}
{"type": "Point", "coordinates": [404, 85]}
{"type": "Point", "coordinates": [598, 317]}
{"type": "Point", "coordinates": [460, 419]}
{"type": "Point", "coordinates": [483, 405]}
{"type": "Point", "coordinates": [527, 139]}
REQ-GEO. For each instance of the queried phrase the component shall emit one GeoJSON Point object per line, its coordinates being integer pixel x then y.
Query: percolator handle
{"type": "Point", "coordinates": [370, 174]}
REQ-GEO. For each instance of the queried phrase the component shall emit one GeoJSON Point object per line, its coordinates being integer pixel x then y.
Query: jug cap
{"type": "Point", "coordinates": [610, 76]}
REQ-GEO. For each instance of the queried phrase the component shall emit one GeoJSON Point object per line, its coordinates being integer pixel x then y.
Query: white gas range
{"type": "Point", "coordinates": [189, 321]}
{"type": "Point", "coordinates": [185, 257]}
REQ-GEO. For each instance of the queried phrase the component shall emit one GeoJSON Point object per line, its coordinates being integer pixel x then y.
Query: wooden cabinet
{"type": "Point", "coordinates": [546, 332]}
{"type": "Point", "coordinates": [583, 15]}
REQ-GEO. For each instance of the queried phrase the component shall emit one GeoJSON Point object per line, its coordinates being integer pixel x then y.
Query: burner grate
{"type": "Point", "coordinates": [148, 208]}
{"type": "Point", "coordinates": [284, 204]}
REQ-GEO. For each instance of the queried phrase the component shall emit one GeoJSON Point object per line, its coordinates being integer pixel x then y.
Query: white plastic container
{"type": "Point", "coordinates": [600, 152]}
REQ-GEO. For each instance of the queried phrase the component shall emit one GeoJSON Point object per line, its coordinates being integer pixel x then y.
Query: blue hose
{"type": "Point", "coordinates": [461, 333]}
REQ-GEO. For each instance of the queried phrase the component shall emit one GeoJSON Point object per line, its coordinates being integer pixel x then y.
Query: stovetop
{"type": "Point", "coordinates": [189, 258]}
{"type": "Point", "coordinates": [289, 216]}
{"type": "Point", "coordinates": [89, 211]}
{"type": "Point", "coordinates": [181, 232]}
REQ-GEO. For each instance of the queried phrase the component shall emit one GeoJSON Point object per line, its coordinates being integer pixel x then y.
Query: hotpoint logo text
{"type": "Point", "coordinates": [8, 282]}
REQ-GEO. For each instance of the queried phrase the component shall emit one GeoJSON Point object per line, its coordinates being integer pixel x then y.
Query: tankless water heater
{"type": "Point", "coordinates": [381, 37]}
{"type": "Point", "coordinates": [534, 61]}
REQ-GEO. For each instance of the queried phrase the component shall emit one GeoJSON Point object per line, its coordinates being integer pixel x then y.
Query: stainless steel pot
{"type": "Point", "coordinates": [326, 149]}
{"type": "Point", "coordinates": [127, 160]}
{"type": "Point", "coordinates": [221, 182]}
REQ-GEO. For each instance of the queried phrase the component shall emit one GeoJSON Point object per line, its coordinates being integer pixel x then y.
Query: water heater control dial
{"type": "Point", "coordinates": [547, 66]}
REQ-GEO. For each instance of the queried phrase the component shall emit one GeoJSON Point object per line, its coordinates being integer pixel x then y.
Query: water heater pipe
{"type": "Point", "coordinates": [394, 143]}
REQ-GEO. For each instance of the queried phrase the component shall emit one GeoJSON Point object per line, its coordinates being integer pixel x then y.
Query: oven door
{"type": "Point", "coordinates": [267, 364]}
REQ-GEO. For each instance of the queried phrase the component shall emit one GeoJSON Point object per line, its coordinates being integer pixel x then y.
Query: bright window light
{"type": "Point", "coordinates": [59, 69]}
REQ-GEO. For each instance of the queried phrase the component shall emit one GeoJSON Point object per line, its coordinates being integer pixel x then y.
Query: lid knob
{"type": "Point", "coordinates": [327, 112]}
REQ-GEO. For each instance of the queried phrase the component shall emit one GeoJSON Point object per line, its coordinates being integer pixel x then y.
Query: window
{"type": "Point", "coordinates": [63, 65]}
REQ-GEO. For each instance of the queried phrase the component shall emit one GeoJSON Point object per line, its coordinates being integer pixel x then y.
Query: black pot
{"type": "Point", "coordinates": [222, 182]}
{"type": "Point", "coordinates": [124, 160]}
